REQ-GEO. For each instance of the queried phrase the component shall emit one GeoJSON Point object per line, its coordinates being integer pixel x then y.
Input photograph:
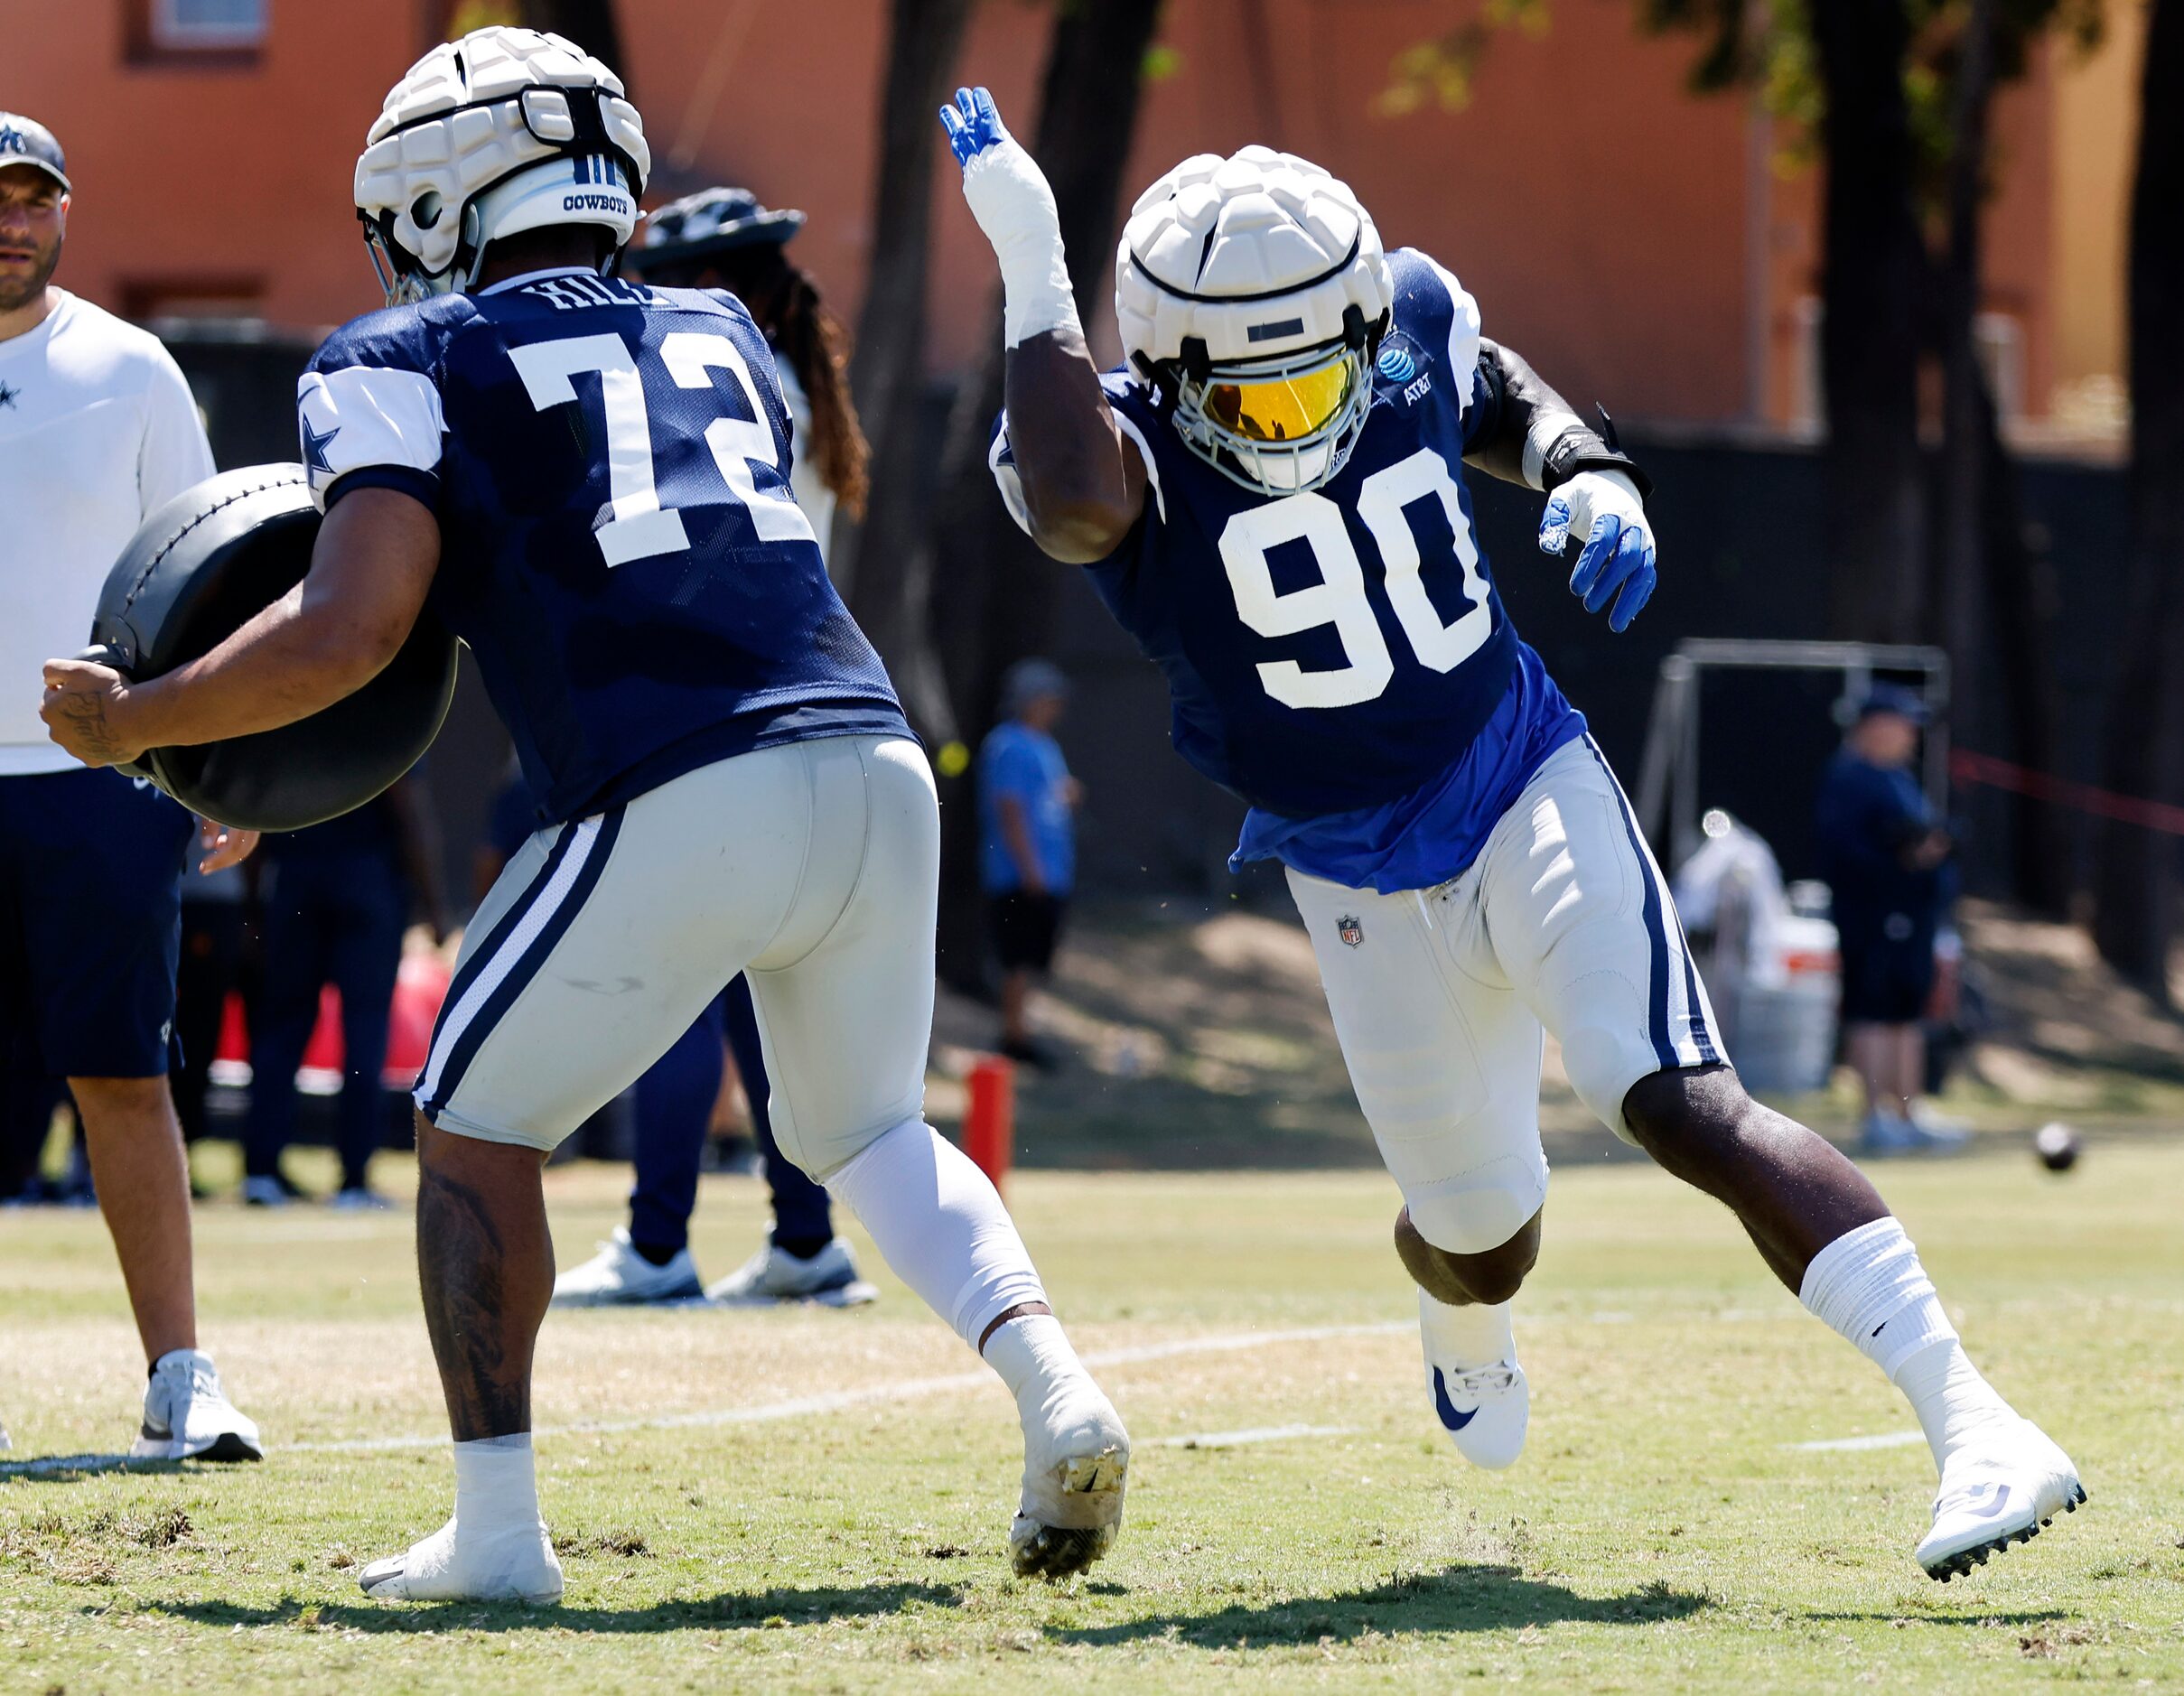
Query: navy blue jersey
{"type": "Point", "coordinates": [1337, 649]}
{"type": "Point", "coordinates": [619, 549]}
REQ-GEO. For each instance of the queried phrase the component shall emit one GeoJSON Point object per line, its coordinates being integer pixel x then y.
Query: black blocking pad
{"type": "Point", "coordinates": [199, 568]}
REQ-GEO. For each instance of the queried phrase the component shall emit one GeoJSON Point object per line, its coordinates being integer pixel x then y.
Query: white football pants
{"type": "Point", "coordinates": [1440, 995]}
{"type": "Point", "coordinates": [813, 866]}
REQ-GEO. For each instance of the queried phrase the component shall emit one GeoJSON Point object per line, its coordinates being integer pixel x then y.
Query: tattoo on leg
{"type": "Point", "coordinates": [459, 1257]}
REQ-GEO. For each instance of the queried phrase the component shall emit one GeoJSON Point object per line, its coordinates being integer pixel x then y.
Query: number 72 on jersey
{"type": "Point", "coordinates": [640, 527]}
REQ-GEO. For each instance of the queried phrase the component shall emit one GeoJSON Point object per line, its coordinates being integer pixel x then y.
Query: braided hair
{"type": "Point", "coordinates": [785, 300]}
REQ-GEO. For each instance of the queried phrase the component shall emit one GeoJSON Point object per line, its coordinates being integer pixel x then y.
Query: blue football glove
{"type": "Point", "coordinates": [1616, 563]}
{"type": "Point", "coordinates": [1010, 197]}
{"type": "Point", "coordinates": [973, 125]}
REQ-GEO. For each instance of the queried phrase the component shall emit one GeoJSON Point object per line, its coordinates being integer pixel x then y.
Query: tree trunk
{"type": "Point", "coordinates": [884, 578]}
{"type": "Point", "coordinates": [1985, 602]}
{"type": "Point", "coordinates": [1870, 339]}
{"type": "Point", "coordinates": [2020, 598]}
{"type": "Point", "coordinates": [1959, 534]}
{"type": "Point", "coordinates": [2135, 886]}
{"type": "Point", "coordinates": [995, 605]}
{"type": "Point", "coordinates": [994, 602]}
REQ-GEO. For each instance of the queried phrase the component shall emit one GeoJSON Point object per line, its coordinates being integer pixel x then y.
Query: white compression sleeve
{"type": "Point", "coordinates": [938, 1222]}
{"type": "Point", "coordinates": [1009, 197]}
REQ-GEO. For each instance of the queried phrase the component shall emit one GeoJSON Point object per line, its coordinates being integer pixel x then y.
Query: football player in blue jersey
{"type": "Point", "coordinates": [587, 480]}
{"type": "Point", "coordinates": [1270, 495]}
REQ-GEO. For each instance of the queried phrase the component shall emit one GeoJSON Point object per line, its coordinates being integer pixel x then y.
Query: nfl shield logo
{"type": "Point", "coordinates": [1351, 932]}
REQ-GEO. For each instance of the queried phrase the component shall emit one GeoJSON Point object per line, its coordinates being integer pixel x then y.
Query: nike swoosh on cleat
{"type": "Point", "coordinates": [1997, 1498]}
{"type": "Point", "coordinates": [1449, 1417]}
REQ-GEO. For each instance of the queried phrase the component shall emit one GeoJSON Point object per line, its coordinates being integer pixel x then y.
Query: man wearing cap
{"type": "Point", "coordinates": [97, 429]}
{"type": "Point", "coordinates": [1888, 862]}
{"type": "Point", "coordinates": [1027, 802]}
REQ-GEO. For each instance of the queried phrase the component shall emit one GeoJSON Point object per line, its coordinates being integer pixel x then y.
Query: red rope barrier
{"type": "Point", "coordinates": [1967, 767]}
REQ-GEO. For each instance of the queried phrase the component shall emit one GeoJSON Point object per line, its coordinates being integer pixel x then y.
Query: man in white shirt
{"type": "Point", "coordinates": [97, 429]}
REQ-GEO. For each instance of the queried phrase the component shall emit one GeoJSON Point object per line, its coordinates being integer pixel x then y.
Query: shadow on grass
{"type": "Point", "coordinates": [1463, 1598]}
{"type": "Point", "coordinates": [755, 1608]}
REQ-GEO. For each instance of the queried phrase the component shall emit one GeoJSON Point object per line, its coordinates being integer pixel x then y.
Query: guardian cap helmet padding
{"type": "Point", "coordinates": [1253, 289]}
{"type": "Point", "coordinates": [505, 130]}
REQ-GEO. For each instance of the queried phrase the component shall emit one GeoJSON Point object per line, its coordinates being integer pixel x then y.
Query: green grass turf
{"type": "Point", "coordinates": [1659, 1534]}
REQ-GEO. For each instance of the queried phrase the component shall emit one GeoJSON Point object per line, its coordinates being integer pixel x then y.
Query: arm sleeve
{"type": "Point", "coordinates": [175, 455]}
{"type": "Point", "coordinates": [1001, 458]}
{"type": "Point", "coordinates": [370, 416]}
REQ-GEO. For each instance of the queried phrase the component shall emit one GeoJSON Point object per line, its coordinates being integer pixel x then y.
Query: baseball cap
{"type": "Point", "coordinates": [709, 223]}
{"type": "Point", "coordinates": [1028, 680]}
{"type": "Point", "coordinates": [1889, 697]}
{"type": "Point", "coordinates": [26, 142]}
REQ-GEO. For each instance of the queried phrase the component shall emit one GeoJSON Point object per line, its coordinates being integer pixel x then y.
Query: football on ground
{"type": "Point", "coordinates": [1716, 1492]}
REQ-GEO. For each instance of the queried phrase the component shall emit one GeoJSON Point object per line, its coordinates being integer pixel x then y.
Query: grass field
{"type": "Point", "coordinates": [807, 1500]}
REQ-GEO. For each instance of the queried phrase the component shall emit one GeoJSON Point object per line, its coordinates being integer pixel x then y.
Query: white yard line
{"type": "Point", "coordinates": [915, 1389]}
{"type": "Point", "coordinates": [1847, 1445]}
{"type": "Point", "coordinates": [869, 1395]}
{"type": "Point", "coordinates": [1254, 1434]}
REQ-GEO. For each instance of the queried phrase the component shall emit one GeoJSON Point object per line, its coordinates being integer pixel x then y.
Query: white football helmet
{"type": "Point", "coordinates": [1254, 290]}
{"type": "Point", "coordinates": [505, 130]}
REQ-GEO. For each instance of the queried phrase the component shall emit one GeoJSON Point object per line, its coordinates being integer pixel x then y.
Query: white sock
{"type": "Point", "coordinates": [496, 1485]}
{"type": "Point", "coordinates": [1869, 1287]}
{"type": "Point", "coordinates": [1472, 1335]}
{"type": "Point", "coordinates": [494, 1547]}
{"type": "Point", "coordinates": [938, 1220]}
{"type": "Point", "coordinates": [1033, 1353]}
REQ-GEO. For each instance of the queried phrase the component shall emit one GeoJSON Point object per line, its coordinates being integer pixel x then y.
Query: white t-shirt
{"type": "Point", "coordinates": [97, 429]}
{"type": "Point", "coordinates": [804, 479]}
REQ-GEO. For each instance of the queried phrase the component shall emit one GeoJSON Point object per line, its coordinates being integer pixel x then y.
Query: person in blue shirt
{"type": "Point", "coordinates": [587, 480]}
{"type": "Point", "coordinates": [335, 901]}
{"type": "Point", "coordinates": [1027, 855]}
{"type": "Point", "coordinates": [1271, 495]}
{"type": "Point", "coordinates": [1889, 865]}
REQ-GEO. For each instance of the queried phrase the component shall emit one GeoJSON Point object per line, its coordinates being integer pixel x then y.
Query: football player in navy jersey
{"type": "Point", "coordinates": [588, 482]}
{"type": "Point", "coordinates": [1270, 495]}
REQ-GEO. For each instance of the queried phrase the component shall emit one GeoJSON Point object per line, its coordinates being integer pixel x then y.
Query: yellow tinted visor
{"type": "Point", "coordinates": [1282, 408]}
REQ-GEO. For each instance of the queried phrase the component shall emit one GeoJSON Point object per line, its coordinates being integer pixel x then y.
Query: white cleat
{"type": "Point", "coordinates": [1996, 1490]}
{"type": "Point", "coordinates": [186, 1417]}
{"type": "Point", "coordinates": [773, 1274]}
{"type": "Point", "coordinates": [1484, 1406]}
{"type": "Point", "coordinates": [513, 1565]}
{"type": "Point", "coordinates": [619, 1276]}
{"type": "Point", "coordinates": [1076, 1468]}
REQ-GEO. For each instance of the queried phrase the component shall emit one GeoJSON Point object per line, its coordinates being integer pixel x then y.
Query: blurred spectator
{"type": "Point", "coordinates": [213, 920]}
{"type": "Point", "coordinates": [725, 238]}
{"type": "Point", "coordinates": [337, 898]}
{"type": "Point", "coordinates": [1027, 802]}
{"type": "Point", "coordinates": [97, 429]}
{"type": "Point", "coordinates": [1887, 862]}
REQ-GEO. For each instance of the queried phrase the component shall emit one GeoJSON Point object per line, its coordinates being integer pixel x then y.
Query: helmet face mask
{"type": "Point", "coordinates": [1253, 289]}
{"type": "Point", "coordinates": [1278, 427]}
